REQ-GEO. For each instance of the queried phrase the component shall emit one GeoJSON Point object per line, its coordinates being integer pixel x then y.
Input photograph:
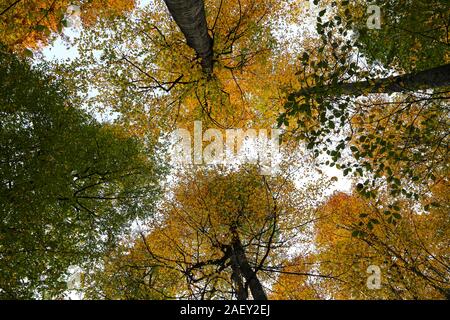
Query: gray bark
{"type": "Point", "coordinates": [246, 270]}
{"type": "Point", "coordinates": [428, 79]}
{"type": "Point", "coordinates": [236, 277]}
{"type": "Point", "coordinates": [191, 19]}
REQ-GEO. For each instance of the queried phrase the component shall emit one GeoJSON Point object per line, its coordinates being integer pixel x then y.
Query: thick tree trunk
{"type": "Point", "coordinates": [427, 79]}
{"type": "Point", "coordinates": [236, 277]}
{"type": "Point", "coordinates": [253, 282]}
{"type": "Point", "coordinates": [190, 18]}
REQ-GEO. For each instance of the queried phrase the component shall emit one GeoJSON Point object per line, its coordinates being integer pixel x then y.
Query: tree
{"type": "Point", "coordinates": [397, 20]}
{"type": "Point", "coordinates": [413, 35]}
{"type": "Point", "coordinates": [190, 17]}
{"type": "Point", "coordinates": [147, 74]}
{"type": "Point", "coordinates": [195, 29]}
{"type": "Point", "coordinates": [31, 24]}
{"type": "Point", "coordinates": [70, 187]}
{"type": "Point", "coordinates": [379, 135]}
{"type": "Point", "coordinates": [371, 102]}
{"type": "Point", "coordinates": [221, 234]}
{"type": "Point", "coordinates": [432, 78]}
{"type": "Point", "coordinates": [412, 255]}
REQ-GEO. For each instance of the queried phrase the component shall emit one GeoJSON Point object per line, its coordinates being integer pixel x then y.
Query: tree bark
{"type": "Point", "coordinates": [251, 279]}
{"type": "Point", "coordinates": [427, 79]}
{"type": "Point", "coordinates": [236, 277]}
{"type": "Point", "coordinates": [191, 19]}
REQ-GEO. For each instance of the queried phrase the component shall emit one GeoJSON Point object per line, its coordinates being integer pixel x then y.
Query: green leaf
{"type": "Point", "coordinates": [41, 28]}
{"type": "Point", "coordinates": [305, 56]}
{"type": "Point", "coordinates": [28, 53]}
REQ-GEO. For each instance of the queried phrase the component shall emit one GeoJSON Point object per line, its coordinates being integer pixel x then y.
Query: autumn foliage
{"type": "Point", "coordinates": [30, 24]}
{"type": "Point", "coordinates": [360, 183]}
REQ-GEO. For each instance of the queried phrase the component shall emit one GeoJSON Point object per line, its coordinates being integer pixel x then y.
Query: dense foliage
{"type": "Point", "coordinates": [362, 108]}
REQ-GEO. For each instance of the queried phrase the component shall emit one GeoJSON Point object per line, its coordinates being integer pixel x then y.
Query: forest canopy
{"type": "Point", "coordinates": [355, 204]}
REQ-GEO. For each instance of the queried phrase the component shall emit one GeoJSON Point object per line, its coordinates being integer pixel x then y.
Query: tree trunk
{"type": "Point", "coordinates": [236, 277]}
{"type": "Point", "coordinates": [427, 79]}
{"type": "Point", "coordinates": [252, 281]}
{"type": "Point", "coordinates": [190, 18]}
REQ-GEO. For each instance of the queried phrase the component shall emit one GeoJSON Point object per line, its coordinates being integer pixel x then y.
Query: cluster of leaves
{"type": "Point", "coordinates": [146, 73]}
{"type": "Point", "coordinates": [414, 35]}
{"type": "Point", "coordinates": [398, 140]}
{"type": "Point", "coordinates": [29, 24]}
{"type": "Point", "coordinates": [413, 255]}
{"type": "Point", "coordinates": [69, 186]}
{"type": "Point", "coordinates": [191, 250]}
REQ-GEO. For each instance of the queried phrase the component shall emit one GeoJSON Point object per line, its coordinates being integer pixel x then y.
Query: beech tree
{"type": "Point", "coordinates": [369, 102]}
{"type": "Point", "coordinates": [381, 120]}
{"type": "Point", "coordinates": [190, 17]}
{"type": "Point", "coordinates": [412, 255]}
{"type": "Point", "coordinates": [31, 24]}
{"type": "Point", "coordinates": [222, 234]}
{"type": "Point", "coordinates": [154, 77]}
{"type": "Point", "coordinates": [70, 187]}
